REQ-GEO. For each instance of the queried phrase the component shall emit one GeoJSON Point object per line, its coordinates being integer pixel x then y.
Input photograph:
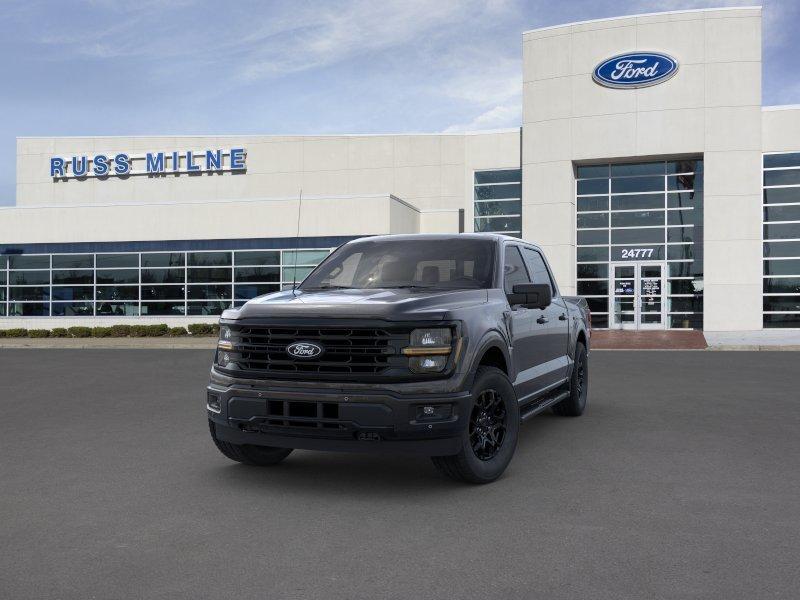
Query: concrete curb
{"type": "Point", "coordinates": [171, 343]}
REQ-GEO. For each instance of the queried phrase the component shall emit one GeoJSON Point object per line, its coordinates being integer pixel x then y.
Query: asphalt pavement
{"type": "Point", "coordinates": [682, 480]}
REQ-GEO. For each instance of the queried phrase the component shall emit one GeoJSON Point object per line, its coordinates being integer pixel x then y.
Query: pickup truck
{"type": "Point", "coordinates": [439, 345]}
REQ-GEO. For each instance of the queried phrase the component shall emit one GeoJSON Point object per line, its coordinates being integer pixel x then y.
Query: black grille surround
{"type": "Point", "coordinates": [351, 352]}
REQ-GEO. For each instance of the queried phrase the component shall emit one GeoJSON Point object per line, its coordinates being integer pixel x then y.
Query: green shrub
{"type": "Point", "coordinates": [177, 331]}
{"type": "Point", "coordinates": [215, 329]}
{"type": "Point", "coordinates": [203, 329]}
{"type": "Point", "coordinates": [80, 332]}
{"type": "Point", "coordinates": [59, 332]}
{"type": "Point", "coordinates": [157, 330]}
{"type": "Point", "coordinates": [38, 333]}
{"type": "Point", "coordinates": [2, 333]}
{"type": "Point", "coordinates": [120, 330]}
{"type": "Point", "coordinates": [101, 332]}
{"type": "Point", "coordinates": [138, 330]}
{"type": "Point", "coordinates": [16, 332]}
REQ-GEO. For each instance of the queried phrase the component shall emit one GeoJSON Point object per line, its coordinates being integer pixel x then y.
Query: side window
{"type": "Point", "coordinates": [537, 268]}
{"type": "Point", "coordinates": [514, 271]}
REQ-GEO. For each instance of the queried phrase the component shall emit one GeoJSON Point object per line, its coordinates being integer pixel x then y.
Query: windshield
{"type": "Point", "coordinates": [443, 264]}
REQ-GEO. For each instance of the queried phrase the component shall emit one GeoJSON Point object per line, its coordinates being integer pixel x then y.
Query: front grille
{"type": "Point", "coordinates": [262, 350]}
{"type": "Point", "coordinates": [298, 416]}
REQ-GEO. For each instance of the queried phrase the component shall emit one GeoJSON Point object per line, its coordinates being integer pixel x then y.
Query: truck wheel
{"type": "Point", "coordinates": [574, 405]}
{"type": "Point", "coordinates": [490, 436]}
{"type": "Point", "coordinates": [261, 456]}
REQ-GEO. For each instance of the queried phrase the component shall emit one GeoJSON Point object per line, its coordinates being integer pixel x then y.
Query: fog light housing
{"type": "Point", "coordinates": [213, 403]}
{"type": "Point", "coordinates": [427, 364]}
{"type": "Point", "coordinates": [433, 412]}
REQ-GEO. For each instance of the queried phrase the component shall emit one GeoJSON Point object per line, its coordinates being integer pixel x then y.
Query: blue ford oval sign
{"type": "Point", "coordinates": [635, 70]}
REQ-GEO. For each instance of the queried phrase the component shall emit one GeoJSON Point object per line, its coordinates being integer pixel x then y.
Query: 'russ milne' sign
{"type": "Point", "coordinates": [151, 163]}
{"type": "Point", "coordinates": [635, 70]}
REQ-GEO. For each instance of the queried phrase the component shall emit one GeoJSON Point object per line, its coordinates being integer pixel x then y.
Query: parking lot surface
{"type": "Point", "coordinates": [682, 480]}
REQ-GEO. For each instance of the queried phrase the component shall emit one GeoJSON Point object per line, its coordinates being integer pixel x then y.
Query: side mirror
{"type": "Point", "coordinates": [531, 295]}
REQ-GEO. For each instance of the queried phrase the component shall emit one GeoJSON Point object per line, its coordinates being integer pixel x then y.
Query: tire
{"type": "Point", "coordinates": [259, 456]}
{"type": "Point", "coordinates": [494, 411]}
{"type": "Point", "coordinates": [575, 404]}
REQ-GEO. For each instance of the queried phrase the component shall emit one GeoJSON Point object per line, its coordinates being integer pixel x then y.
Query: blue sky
{"type": "Point", "coordinates": [105, 67]}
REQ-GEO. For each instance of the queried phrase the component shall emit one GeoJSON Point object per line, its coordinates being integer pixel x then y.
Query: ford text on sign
{"type": "Point", "coordinates": [635, 70]}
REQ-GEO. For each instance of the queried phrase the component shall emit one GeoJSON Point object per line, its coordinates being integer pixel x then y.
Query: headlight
{"type": "Point", "coordinates": [429, 350]}
{"type": "Point", "coordinates": [224, 346]}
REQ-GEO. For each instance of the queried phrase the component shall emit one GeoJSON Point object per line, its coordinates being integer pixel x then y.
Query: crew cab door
{"type": "Point", "coordinates": [550, 327]}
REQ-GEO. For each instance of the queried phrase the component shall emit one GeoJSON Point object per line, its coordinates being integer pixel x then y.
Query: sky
{"type": "Point", "coordinates": [205, 67]}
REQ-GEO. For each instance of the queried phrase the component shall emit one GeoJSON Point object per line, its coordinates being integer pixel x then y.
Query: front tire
{"type": "Point", "coordinates": [259, 456]}
{"type": "Point", "coordinates": [490, 435]}
{"type": "Point", "coordinates": [575, 404]}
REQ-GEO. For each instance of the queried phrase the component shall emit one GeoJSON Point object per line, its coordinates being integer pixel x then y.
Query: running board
{"type": "Point", "coordinates": [534, 408]}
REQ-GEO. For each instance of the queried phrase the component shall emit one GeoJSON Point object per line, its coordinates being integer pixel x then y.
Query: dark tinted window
{"type": "Point", "coordinates": [537, 268]}
{"type": "Point", "coordinates": [514, 270]}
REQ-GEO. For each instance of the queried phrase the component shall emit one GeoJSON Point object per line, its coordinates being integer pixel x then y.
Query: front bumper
{"type": "Point", "coordinates": [377, 421]}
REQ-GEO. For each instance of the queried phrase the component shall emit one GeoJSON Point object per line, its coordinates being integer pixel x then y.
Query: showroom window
{"type": "Point", "coordinates": [130, 284]}
{"type": "Point", "coordinates": [640, 243]}
{"type": "Point", "coordinates": [498, 201]}
{"type": "Point", "coordinates": [781, 300]}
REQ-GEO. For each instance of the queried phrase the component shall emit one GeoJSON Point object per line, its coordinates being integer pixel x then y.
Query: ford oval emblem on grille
{"type": "Point", "coordinates": [304, 350]}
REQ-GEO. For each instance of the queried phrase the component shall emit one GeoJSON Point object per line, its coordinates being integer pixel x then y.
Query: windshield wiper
{"type": "Point", "coordinates": [407, 287]}
{"type": "Point", "coordinates": [326, 287]}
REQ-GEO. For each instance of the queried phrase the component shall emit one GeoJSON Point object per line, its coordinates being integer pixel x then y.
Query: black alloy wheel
{"type": "Point", "coordinates": [487, 424]}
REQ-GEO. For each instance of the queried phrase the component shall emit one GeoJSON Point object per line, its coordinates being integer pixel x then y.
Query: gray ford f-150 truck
{"type": "Point", "coordinates": [439, 345]}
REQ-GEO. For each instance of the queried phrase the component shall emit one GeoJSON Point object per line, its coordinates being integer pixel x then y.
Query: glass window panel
{"type": "Point", "coordinates": [484, 224]}
{"type": "Point", "coordinates": [684, 166]}
{"type": "Point", "coordinates": [643, 252]}
{"type": "Point", "coordinates": [248, 291]}
{"type": "Point", "coordinates": [624, 185]}
{"type": "Point", "coordinates": [162, 308]}
{"type": "Point", "coordinates": [787, 177]}
{"type": "Point", "coordinates": [163, 292]}
{"type": "Point", "coordinates": [73, 277]}
{"type": "Point", "coordinates": [117, 292]}
{"type": "Point", "coordinates": [789, 159]}
{"type": "Point", "coordinates": [592, 236]}
{"type": "Point", "coordinates": [301, 273]}
{"type": "Point", "coordinates": [592, 186]}
{"type": "Point", "coordinates": [163, 276]}
{"type": "Point", "coordinates": [494, 192]}
{"type": "Point", "coordinates": [782, 267]}
{"type": "Point", "coordinates": [775, 321]}
{"type": "Point", "coordinates": [648, 168]}
{"type": "Point", "coordinates": [686, 321]}
{"type": "Point", "coordinates": [163, 259]}
{"type": "Point", "coordinates": [304, 257]}
{"type": "Point", "coordinates": [117, 309]}
{"type": "Point", "coordinates": [782, 195]}
{"type": "Point", "coordinates": [24, 261]}
{"type": "Point", "coordinates": [593, 288]}
{"type": "Point", "coordinates": [257, 274]}
{"type": "Point", "coordinates": [72, 309]}
{"type": "Point", "coordinates": [680, 234]}
{"type": "Point", "coordinates": [684, 199]}
{"type": "Point", "coordinates": [73, 292]}
{"type": "Point", "coordinates": [592, 271]}
{"type": "Point", "coordinates": [684, 217]}
{"type": "Point", "coordinates": [637, 202]}
{"type": "Point", "coordinates": [3, 262]}
{"type": "Point", "coordinates": [507, 207]}
{"type": "Point", "coordinates": [114, 261]}
{"type": "Point", "coordinates": [782, 303]}
{"type": "Point", "coordinates": [637, 236]}
{"type": "Point", "coordinates": [592, 220]}
{"type": "Point", "coordinates": [782, 285]}
{"type": "Point", "coordinates": [685, 286]}
{"type": "Point", "coordinates": [586, 171]}
{"type": "Point", "coordinates": [73, 261]}
{"type": "Point", "coordinates": [209, 292]}
{"type": "Point", "coordinates": [680, 252]}
{"type": "Point", "coordinates": [781, 249]}
{"type": "Point", "coordinates": [597, 305]}
{"type": "Point", "coordinates": [2, 294]}
{"type": "Point", "coordinates": [2, 310]}
{"type": "Point", "coordinates": [637, 219]}
{"type": "Point", "coordinates": [782, 231]}
{"type": "Point", "coordinates": [681, 269]}
{"type": "Point", "coordinates": [258, 257]}
{"type": "Point", "coordinates": [207, 308]}
{"type": "Point", "coordinates": [782, 213]}
{"type": "Point", "coordinates": [694, 304]}
{"type": "Point", "coordinates": [209, 275]}
{"type": "Point", "coordinates": [597, 203]}
{"type": "Point", "coordinates": [118, 276]}
{"type": "Point", "coordinates": [592, 254]}
{"type": "Point", "coordinates": [29, 293]}
{"type": "Point", "coordinates": [28, 309]}
{"type": "Point", "coordinates": [29, 277]}
{"type": "Point", "coordinates": [684, 182]}
{"type": "Point", "coordinates": [498, 176]}
{"type": "Point", "coordinates": [2, 277]}
{"type": "Point", "coordinates": [209, 259]}
{"type": "Point", "coordinates": [599, 321]}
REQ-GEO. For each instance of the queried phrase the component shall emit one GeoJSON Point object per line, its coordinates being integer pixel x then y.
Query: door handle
{"type": "Point", "coordinates": [562, 317]}
{"type": "Point", "coordinates": [541, 320]}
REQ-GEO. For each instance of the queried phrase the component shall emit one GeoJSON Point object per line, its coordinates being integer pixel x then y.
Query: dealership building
{"type": "Point", "coordinates": [646, 167]}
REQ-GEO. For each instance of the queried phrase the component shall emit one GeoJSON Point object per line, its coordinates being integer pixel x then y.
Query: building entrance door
{"type": "Point", "coordinates": [637, 295]}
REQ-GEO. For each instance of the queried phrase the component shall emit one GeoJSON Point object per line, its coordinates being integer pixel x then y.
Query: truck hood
{"type": "Point", "coordinates": [388, 304]}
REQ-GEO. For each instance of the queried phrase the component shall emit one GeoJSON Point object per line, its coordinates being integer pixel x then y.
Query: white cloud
{"type": "Point", "coordinates": [497, 117]}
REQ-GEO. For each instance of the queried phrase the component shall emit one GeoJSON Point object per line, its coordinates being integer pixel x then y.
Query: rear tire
{"type": "Point", "coordinates": [490, 434]}
{"type": "Point", "coordinates": [575, 404]}
{"type": "Point", "coordinates": [259, 456]}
